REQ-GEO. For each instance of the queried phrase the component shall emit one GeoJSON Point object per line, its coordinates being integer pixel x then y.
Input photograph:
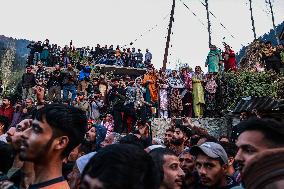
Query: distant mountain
{"type": "Point", "coordinates": [20, 46]}
{"type": "Point", "coordinates": [270, 36]}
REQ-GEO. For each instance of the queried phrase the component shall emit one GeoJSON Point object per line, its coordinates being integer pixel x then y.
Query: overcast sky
{"type": "Point", "coordinates": [119, 22]}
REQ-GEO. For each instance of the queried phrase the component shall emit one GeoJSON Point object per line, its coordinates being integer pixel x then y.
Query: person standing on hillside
{"type": "Point", "coordinates": [42, 75]}
{"type": "Point", "coordinates": [69, 82]}
{"type": "Point", "coordinates": [213, 60]}
{"type": "Point", "coordinates": [148, 57]}
{"type": "Point", "coordinates": [198, 91]}
{"type": "Point", "coordinates": [150, 83]}
{"type": "Point", "coordinates": [28, 82]}
{"type": "Point", "coordinates": [54, 84]}
{"type": "Point", "coordinates": [229, 58]}
{"type": "Point", "coordinates": [272, 62]}
{"type": "Point", "coordinates": [116, 99]}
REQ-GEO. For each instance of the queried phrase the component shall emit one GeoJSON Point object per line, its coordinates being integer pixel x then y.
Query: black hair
{"type": "Point", "coordinates": [158, 158]}
{"type": "Point", "coordinates": [272, 130]}
{"type": "Point", "coordinates": [65, 120]}
{"type": "Point", "coordinates": [186, 130]}
{"type": "Point", "coordinates": [132, 139]}
{"type": "Point", "coordinates": [6, 157]}
{"type": "Point", "coordinates": [5, 121]}
{"type": "Point", "coordinates": [224, 136]}
{"type": "Point", "coordinates": [185, 151]}
{"type": "Point", "coordinates": [230, 148]}
{"type": "Point", "coordinates": [170, 130]}
{"type": "Point", "coordinates": [121, 166]}
{"type": "Point", "coordinates": [8, 98]}
{"type": "Point", "coordinates": [209, 138]}
{"type": "Point", "coordinates": [84, 148]}
{"type": "Point", "coordinates": [194, 140]}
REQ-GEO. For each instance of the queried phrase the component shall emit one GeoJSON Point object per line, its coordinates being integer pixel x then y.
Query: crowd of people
{"type": "Point", "coordinates": [175, 93]}
{"type": "Point", "coordinates": [58, 148]}
{"type": "Point", "coordinates": [71, 129]}
{"type": "Point", "coordinates": [180, 93]}
{"type": "Point", "coordinates": [52, 54]}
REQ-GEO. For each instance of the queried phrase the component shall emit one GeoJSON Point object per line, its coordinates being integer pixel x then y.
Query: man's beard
{"type": "Point", "coordinates": [177, 142]}
{"type": "Point", "coordinates": [41, 153]}
{"type": "Point", "coordinates": [167, 143]}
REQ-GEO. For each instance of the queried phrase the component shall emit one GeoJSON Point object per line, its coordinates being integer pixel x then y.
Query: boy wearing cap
{"type": "Point", "coordinates": [211, 164]}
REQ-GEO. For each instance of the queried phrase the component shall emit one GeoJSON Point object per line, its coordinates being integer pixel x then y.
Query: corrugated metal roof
{"type": "Point", "coordinates": [261, 104]}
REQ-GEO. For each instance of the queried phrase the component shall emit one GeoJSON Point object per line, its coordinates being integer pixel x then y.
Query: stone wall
{"type": "Point", "coordinates": [215, 126]}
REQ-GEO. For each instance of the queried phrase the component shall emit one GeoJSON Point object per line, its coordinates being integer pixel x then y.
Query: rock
{"type": "Point", "coordinates": [215, 126]}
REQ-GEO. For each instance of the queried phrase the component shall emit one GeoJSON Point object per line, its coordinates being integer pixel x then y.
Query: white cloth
{"type": "Point", "coordinates": [3, 138]}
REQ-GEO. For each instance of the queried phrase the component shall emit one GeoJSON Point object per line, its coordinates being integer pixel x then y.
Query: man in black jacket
{"type": "Point", "coordinates": [28, 82]}
{"type": "Point", "coordinates": [54, 84]}
{"type": "Point", "coordinates": [116, 100]}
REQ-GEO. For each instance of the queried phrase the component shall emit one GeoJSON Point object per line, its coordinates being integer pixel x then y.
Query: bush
{"type": "Point", "coordinates": [246, 83]}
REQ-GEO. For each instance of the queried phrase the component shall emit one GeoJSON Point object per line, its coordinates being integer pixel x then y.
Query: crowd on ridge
{"type": "Point", "coordinates": [52, 54]}
{"type": "Point", "coordinates": [73, 130]}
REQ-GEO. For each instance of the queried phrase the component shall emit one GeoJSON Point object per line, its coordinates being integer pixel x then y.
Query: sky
{"type": "Point", "coordinates": [143, 22]}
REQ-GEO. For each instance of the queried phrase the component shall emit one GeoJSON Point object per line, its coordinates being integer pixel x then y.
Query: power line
{"type": "Point", "coordinates": [147, 31]}
{"type": "Point", "coordinates": [193, 13]}
{"type": "Point", "coordinates": [211, 13]}
{"type": "Point", "coordinates": [222, 25]}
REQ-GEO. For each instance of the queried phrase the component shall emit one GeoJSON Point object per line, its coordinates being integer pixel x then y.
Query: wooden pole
{"type": "Point", "coordinates": [273, 22]}
{"type": "Point", "coordinates": [252, 20]}
{"type": "Point", "coordinates": [169, 36]}
{"type": "Point", "coordinates": [208, 21]}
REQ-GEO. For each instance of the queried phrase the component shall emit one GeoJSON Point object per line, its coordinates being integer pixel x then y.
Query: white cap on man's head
{"type": "Point", "coordinates": [211, 149]}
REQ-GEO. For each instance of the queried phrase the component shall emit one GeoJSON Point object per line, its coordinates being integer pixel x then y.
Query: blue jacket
{"type": "Point", "coordinates": [85, 72]}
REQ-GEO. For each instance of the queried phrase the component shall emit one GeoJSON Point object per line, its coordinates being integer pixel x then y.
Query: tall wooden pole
{"type": "Point", "coordinates": [208, 21]}
{"type": "Point", "coordinates": [252, 20]}
{"type": "Point", "coordinates": [273, 22]}
{"type": "Point", "coordinates": [169, 36]}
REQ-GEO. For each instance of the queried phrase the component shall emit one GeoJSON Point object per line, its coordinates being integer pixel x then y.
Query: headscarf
{"type": "Point", "coordinates": [100, 134]}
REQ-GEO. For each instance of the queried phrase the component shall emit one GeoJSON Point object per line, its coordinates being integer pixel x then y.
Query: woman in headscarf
{"type": "Point", "coordinates": [150, 83]}
{"type": "Point", "coordinates": [213, 59]}
{"type": "Point", "coordinates": [198, 91]}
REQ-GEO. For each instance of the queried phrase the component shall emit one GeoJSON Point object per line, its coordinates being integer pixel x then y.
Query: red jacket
{"type": "Point", "coordinates": [230, 62]}
{"type": "Point", "coordinates": [7, 112]}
